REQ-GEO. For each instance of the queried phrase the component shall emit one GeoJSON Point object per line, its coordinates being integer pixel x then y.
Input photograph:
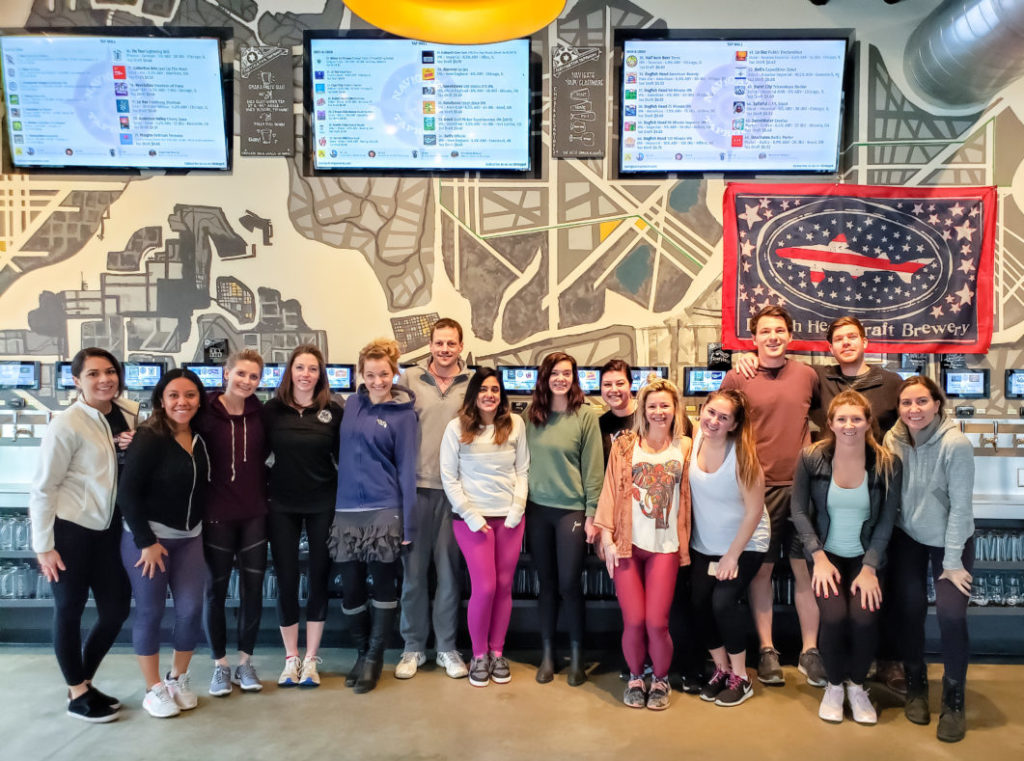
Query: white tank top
{"type": "Point", "coordinates": [718, 509]}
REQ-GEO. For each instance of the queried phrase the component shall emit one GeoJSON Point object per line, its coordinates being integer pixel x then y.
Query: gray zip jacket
{"type": "Point", "coordinates": [938, 481]}
{"type": "Point", "coordinates": [435, 411]}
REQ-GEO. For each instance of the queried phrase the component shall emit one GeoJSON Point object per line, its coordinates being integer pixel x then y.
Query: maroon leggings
{"type": "Point", "coordinates": [645, 585]}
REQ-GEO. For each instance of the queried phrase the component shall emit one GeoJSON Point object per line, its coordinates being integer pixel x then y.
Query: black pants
{"type": "Point", "coordinates": [848, 633]}
{"type": "Point", "coordinates": [285, 530]}
{"type": "Point", "coordinates": [720, 618]}
{"type": "Point", "coordinates": [223, 541]}
{"type": "Point", "coordinates": [557, 543]}
{"type": "Point", "coordinates": [93, 561]}
{"type": "Point", "coordinates": [356, 592]}
{"type": "Point", "coordinates": [908, 564]}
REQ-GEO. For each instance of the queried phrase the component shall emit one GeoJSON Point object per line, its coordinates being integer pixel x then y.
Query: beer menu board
{"type": "Point", "coordinates": [111, 101]}
{"type": "Point", "coordinates": [714, 105]}
{"type": "Point", "coordinates": [396, 104]}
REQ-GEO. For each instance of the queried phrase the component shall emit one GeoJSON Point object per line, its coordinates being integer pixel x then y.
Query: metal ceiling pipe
{"type": "Point", "coordinates": [965, 51]}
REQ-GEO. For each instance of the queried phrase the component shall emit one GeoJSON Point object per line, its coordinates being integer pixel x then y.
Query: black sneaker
{"type": "Point", "coordinates": [691, 684]}
{"type": "Point", "coordinates": [718, 682]}
{"type": "Point", "coordinates": [737, 690]}
{"type": "Point", "coordinates": [104, 698]}
{"type": "Point", "coordinates": [88, 708]}
{"type": "Point", "coordinates": [769, 671]}
{"type": "Point", "coordinates": [813, 667]}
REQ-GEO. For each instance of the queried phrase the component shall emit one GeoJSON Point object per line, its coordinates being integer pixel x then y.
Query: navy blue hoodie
{"type": "Point", "coordinates": [377, 455]}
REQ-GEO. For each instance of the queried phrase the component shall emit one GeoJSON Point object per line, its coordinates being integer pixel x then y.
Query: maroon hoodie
{"type": "Point", "coordinates": [237, 449]}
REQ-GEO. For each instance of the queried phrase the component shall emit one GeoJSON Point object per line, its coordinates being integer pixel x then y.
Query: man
{"type": "Point", "coordinates": [440, 386]}
{"type": "Point", "coordinates": [780, 394]}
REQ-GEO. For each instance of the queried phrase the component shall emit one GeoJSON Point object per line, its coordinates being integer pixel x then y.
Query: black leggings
{"type": "Point", "coordinates": [285, 530]}
{"type": "Point", "coordinates": [719, 615]}
{"type": "Point", "coordinates": [848, 633]}
{"type": "Point", "coordinates": [92, 560]}
{"type": "Point", "coordinates": [908, 564]}
{"type": "Point", "coordinates": [557, 543]}
{"type": "Point", "coordinates": [223, 541]}
{"type": "Point", "coordinates": [355, 592]}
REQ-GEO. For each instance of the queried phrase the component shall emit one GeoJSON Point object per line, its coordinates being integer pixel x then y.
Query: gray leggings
{"type": "Point", "coordinates": [185, 574]}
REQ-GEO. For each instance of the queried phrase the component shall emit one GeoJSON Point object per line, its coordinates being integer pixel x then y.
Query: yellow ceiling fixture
{"type": "Point", "coordinates": [458, 22]}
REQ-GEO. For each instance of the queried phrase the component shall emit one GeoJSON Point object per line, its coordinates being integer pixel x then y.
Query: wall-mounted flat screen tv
{"type": "Point", "coordinates": [212, 376]}
{"type": "Point", "coordinates": [965, 384]}
{"type": "Point", "coordinates": [272, 374]}
{"type": "Point", "coordinates": [700, 381]}
{"type": "Point", "coordinates": [590, 379]}
{"type": "Point", "coordinates": [642, 376]}
{"type": "Point", "coordinates": [518, 379]}
{"type": "Point", "coordinates": [142, 376]}
{"type": "Point", "coordinates": [341, 378]}
{"type": "Point", "coordinates": [15, 374]}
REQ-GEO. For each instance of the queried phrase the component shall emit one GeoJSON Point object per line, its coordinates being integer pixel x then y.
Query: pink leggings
{"type": "Point", "coordinates": [645, 585]}
{"type": "Point", "coordinates": [491, 558]}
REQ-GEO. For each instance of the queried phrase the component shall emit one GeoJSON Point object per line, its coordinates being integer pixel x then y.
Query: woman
{"type": "Point", "coordinates": [301, 424]}
{"type": "Point", "coordinates": [565, 481]}
{"type": "Point", "coordinates": [731, 531]}
{"type": "Point", "coordinates": [644, 518]}
{"type": "Point", "coordinates": [235, 522]}
{"type": "Point", "coordinates": [484, 466]}
{"type": "Point", "coordinates": [617, 393]}
{"type": "Point", "coordinates": [374, 510]}
{"type": "Point", "coordinates": [846, 493]}
{"type": "Point", "coordinates": [76, 527]}
{"type": "Point", "coordinates": [935, 526]}
{"type": "Point", "coordinates": [162, 497]}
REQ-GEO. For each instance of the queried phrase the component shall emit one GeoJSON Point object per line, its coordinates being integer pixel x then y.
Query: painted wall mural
{"type": "Point", "coordinates": [267, 257]}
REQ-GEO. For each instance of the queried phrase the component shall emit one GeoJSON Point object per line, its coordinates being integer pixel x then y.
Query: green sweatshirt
{"type": "Point", "coordinates": [566, 460]}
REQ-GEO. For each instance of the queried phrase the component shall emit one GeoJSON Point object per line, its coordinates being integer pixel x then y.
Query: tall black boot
{"type": "Point", "coordinates": [380, 631]}
{"type": "Point", "coordinates": [916, 707]}
{"type": "Point", "coordinates": [359, 629]}
{"type": "Point", "coordinates": [546, 669]}
{"type": "Point", "coordinates": [576, 674]}
{"type": "Point", "coordinates": [952, 723]}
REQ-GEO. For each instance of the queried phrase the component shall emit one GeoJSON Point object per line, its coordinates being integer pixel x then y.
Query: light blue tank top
{"type": "Point", "coordinates": [848, 509]}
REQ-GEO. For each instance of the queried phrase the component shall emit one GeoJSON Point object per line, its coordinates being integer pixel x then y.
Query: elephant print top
{"type": "Point", "coordinates": [656, 497]}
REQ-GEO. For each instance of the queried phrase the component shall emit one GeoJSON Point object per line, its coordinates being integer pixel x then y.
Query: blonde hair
{"type": "Point", "coordinates": [245, 355]}
{"type": "Point", "coordinates": [680, 423]}
{"type": "Point", "coordinates": [380, 348]}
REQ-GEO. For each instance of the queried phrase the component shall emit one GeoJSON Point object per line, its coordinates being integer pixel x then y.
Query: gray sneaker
{"type": "Point", "coordinates": [480, 671]}
{"type": "Point", "coordinates": [769, 670]}
{"type": "Point", "coordinates": [813, 667]}
{"type": "Point", "coordinates": [635, 695]}
{"type": "Point", "coordinates": [220, 684]}
{"type": "Point", "coordinates": [500, 671]}
{"type": "Point", "coordinates": [245, 677]}
{"type": "Point", "coordinates": [657, 696]}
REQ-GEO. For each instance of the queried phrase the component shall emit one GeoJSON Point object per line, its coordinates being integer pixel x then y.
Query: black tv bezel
{"type": "Point", "coordinates": [983, 370]}
{"type": "Point", "coordinates": [1006, 383]}
{"type": "Point", "coordinates": [635, 385]}
{"type": "Point", "coordinates": [845, 107]}
{"type": "Point", "coordinates": [192, 365]}
{"type": "Point", "coordinates": [500, 369]}
{"type": "Point", "coordinates": [595, 368]}
{"type": "Point", "coordinates": [37, 375]}
{"type": "Point", "coordinates": [351, 378]}
{"type": "Point", "coordinates": [126, 365]}
{"type": "Point", "coordinates": [225, 36]}
{"type": "Point", "coordinates": [688, 390]}
{"type": "Point", "coordinates": [533, 128]}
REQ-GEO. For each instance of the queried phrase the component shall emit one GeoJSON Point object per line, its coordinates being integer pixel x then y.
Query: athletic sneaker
{"type": "Point", "coordinates": [718, 682]}
{"type": "Point", "coordinates": [407, 665]}
{"type": "Point", "coordinates": [158, 702]}
{"type": "Point", "coordinates": [769, 671]}
{"type": "Point", "coordinates": [813, 667]}
{"type": "Point", "coordinates": [657, 696]}
{"type": "Point", "coordinates": [635, 695]}
{"type": "Point", "coordinates": [180, 690]}
{"type": "Point", "coordinates": [737, 690]}
{"type": "Point", "coordinates": [245, 677]}
{"type": "Point", "coordinates": [104, 699]}
{"type": "Point", "coordinates": [500, 671]}
{"type": "Point", "coordinates": [220, 682]}
{"type": "Point", "coordinates": [88, 707]}
{"type": "Point", "coordinates": [831, 708]}
{"type": "Point", "coordinates": [860, 704]}
{"type": "Point", "coordinates": [480, 671]}
{"type": "Point", "coordinates": [310, 675]}
{"type": "Point", "coordinates": [452, 663]}
{"type": "Point", "coordinates": [291, 675]}
{"type": "Point", "coordinates": [691, 684]}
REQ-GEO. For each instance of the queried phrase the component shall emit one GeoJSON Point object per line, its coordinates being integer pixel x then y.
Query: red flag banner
{"type": "Point", "coordinates": [913, 264]}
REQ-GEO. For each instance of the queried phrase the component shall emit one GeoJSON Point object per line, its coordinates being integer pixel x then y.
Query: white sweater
{"type": "Point", "coordinates": [483, 479]}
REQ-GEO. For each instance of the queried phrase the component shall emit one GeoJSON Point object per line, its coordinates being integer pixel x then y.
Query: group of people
{"type": "Point", "coordinates": [436, 468]}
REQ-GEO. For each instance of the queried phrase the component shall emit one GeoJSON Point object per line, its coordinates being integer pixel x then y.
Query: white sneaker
{"type": "Point", "coordinates": [310, 676]}
{"type": "Point", "coordinates": [291, 675]}
{"type": "Point", "coordinates": [860, 704]}
{"type": "Point", "coordinates": [406, 668]}
{"type": "Point", "coordinates": [452, 663]}
{"type": "Point", "coordinates": [831, 708]}
{"type": "Point", "coordinates": [180, 690]}
{"type": "Point", "coordinates": [158, 702]}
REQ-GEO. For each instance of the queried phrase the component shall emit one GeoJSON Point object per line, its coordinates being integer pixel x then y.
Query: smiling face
{"type": "Point", "coordinates": [242, 379]}
{"type": "Point", "coordinates": [98, 382]}
{"type": "Point", "coordinates": [850, 424]}
{"type": "Point", "coordinates": [378, 375]}
{"type": "Point", "coordinates": [488, 399]}
{"type": "Point", "coordinates": [771, 339]}
{"type": "Point", "coordinates": [615, 392]}
{"type": "Point", "coordinates": [180, 401]}
{"type": "Point", "coordinates": [917, 407]}
{"type": "Point", "coordinates": [717, 419]}
{"type": "Point", "coordinates": [848, 346]}
{"type": "Point", "coordinates": [560, 380]}
{"type": "Point", "coordinates": [305, 373]}
{"type": "Point", "coordinates": [445, 348]}
{"type": "Point", "coordinates": [660, 412]}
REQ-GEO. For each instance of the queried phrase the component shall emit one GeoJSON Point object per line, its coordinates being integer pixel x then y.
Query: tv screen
{"type": "Point", "coordinates": [518, 379]}
{"type": "Point", "coordinates": [99, 99]}
{"type": "Point", "coordinates": [388, 104]}
{"type": "Point", "coordinates": [341, 378]}
{"type": "Point", "coordinates": [212, 376]}
{"type": "Point", "coordinates": [142, 376]}
{"type": "Point", "coordinates": [590, 379]}
{"type": "Point", "coordinates": [641, 376]}
{"type": "Point", "coordinates": [965, 384]}
{"type": "Point", "coordinates": [19, 375]}
{"type": "Point", "coordinates": [62, 378]}
{"type": "Point", "coordinates": [736, 103]}
{"type": "Point", "coordinates": [272, 373]}
{"type": "Point", "coordinates": [1015, 384]}
{"type": "Point", "coordinates": [700, 381]}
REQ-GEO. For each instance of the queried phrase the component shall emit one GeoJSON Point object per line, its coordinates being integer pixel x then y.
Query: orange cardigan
{"type": "Point", "coordinates": [615, 507]}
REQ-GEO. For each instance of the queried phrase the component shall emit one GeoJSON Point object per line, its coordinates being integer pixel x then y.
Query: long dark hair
{"type": "Point", "coordinates": [469, 414]}
{"type": "Point", "coordinates": [321, 391]}
{"type": "Point", "coordinates": [158, 420]}
{"type": "Point", "coordinates": [883, 457]}
{"type": "Point", "coordinates": [748, 467]}
{"type": "Point", "coordinates": [540, 403]}
{"type": "Point", "coordinates": [78, 363]}
{"type": "Point", "coordinates": [923, 380]}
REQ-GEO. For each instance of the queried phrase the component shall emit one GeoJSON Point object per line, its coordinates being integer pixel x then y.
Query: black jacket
{"type": "Point", "coordinates": [304, 476]}
{"type": "Point", "coordinates": [810, 512]}
{"type": "Point", "coordinates": [880, 387]}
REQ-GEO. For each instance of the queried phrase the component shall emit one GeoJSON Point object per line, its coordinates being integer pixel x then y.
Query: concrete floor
{"type": "Point", "coordinates": [433, 717]}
